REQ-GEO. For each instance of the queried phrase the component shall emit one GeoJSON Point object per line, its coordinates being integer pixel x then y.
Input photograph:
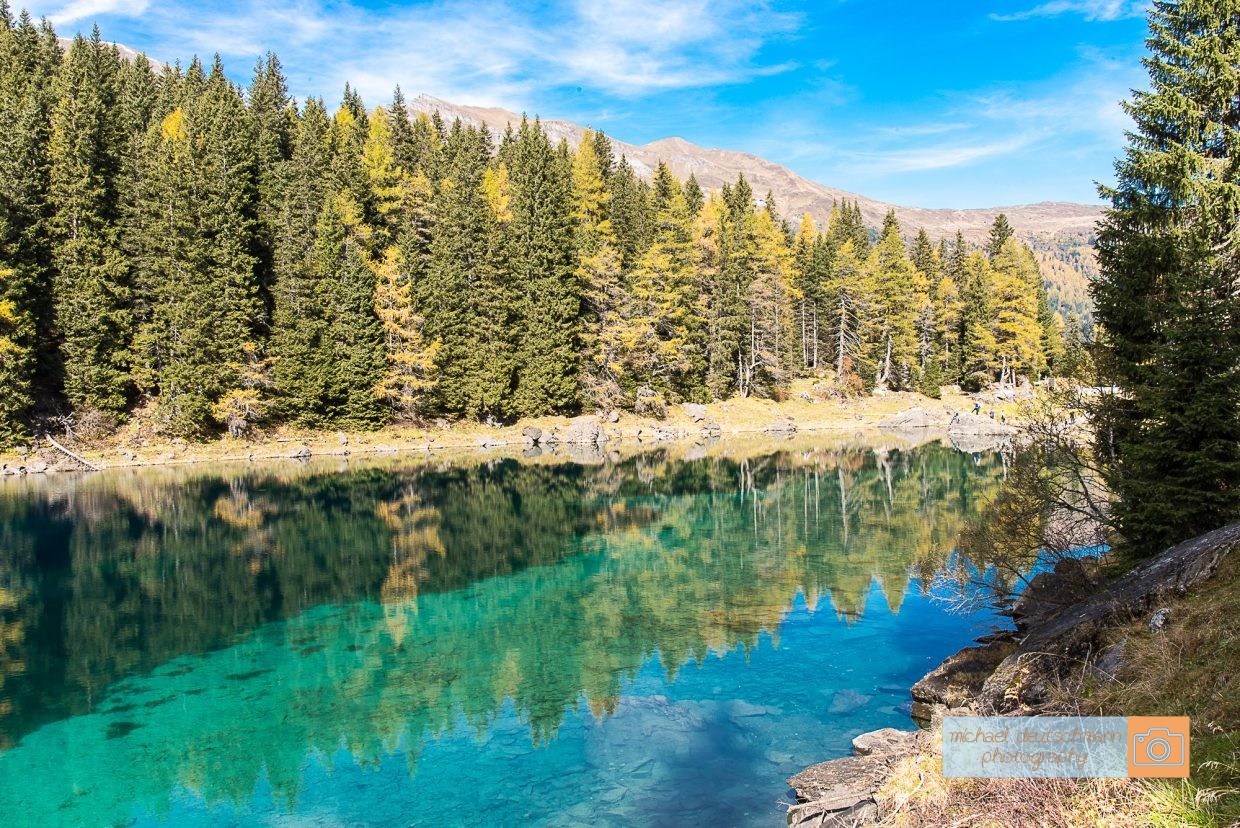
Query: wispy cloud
{"type": "Point", "coordinates": [90, 9]}
{"type": "Point", "coordinates": [476, 51]}
{"type": "Point", "coordinates": [938, 157]}
{"type": "Point", "coordinates": [1094, 10]}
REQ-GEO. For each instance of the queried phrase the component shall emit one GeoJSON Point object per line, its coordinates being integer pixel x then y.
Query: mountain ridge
{"type": "Point", "coordinates": [1046, 221]}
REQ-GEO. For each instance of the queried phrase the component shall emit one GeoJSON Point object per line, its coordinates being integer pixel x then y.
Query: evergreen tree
{"type": "Point", "coordinates": [1000, 232]}
{"type": "Point", "coordinates": [345, 277]}
{"type": "Point", "coordinates": [1167, 298]}
{"type": "Point", "coordinates": [977, 315]}
{"type": "Point", "coordinates": [464, 310]}
{"type": "Point", "coordinates": [29, 57]}
{"type": "Point", "coordinates": [768, 352]}
{"type": "Point", "coordinates": [693, 195]}
{"type": "Point", "coordinates": [665, 343]}
{"type": "Point", "coordinates": [92, 287]}
{"type": "Point", "coordinates": [299, 334]}
{"type": "Point", "coordinates": [543, 264]}
{"type": "Point", "coordinates": [849, 293]}
{"type": "Point", "coordinates": [630, 213]}
{"type": "Point", "coordinates": [196, 266]}
{"type": "Point", "coordinates": [604, 296]}
{"type": "Point", "coordinates": [898, 293]}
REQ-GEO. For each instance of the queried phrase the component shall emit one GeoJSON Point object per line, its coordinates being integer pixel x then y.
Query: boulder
{"type": "Point", "coordinates": [585, 431]}
{"type": "Point", "coordinates": [914, 418]}
{"type": "Point", "coordinates": [1049, 593]}
{"type": "Point", "coordinates": [532, 434]}
{"type": "Point", "coordinates": [780, 427]}
{"type": "Point", "coordinates": [1159, 620]}
{"type": "Point", "coordinates": [303, 451]}
{"type": "Point", "coordinates": [969, 425]}
{"type": "Point", "coordinates": [37, 467]}
{"type": "Point", "coordinates": [1052, 651]}
{"type": "Point", "coordinates": [886, 742]}
{"type": "Point", "coordinates": [613, 417]}
{"type": "Point", "coordinates": [695, 412]}
{"type": "Point", "coordinates": [6, 469]}
{"type": "Point", "coordinates": [959, 679]}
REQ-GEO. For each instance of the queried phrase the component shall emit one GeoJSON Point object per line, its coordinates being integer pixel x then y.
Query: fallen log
{"type": "Point", "coordinates": [75, 457]}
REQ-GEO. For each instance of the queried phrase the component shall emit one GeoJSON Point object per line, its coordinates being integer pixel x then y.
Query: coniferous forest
{"type": "Point", "coordinates": [211, 258]}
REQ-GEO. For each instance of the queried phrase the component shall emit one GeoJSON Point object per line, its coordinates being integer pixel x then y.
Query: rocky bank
{"type": "Point", "coordinates": [1060, 641]}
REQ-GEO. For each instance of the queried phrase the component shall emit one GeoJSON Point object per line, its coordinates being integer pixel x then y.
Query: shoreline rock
{"type": "Point", "coordinates": [1061, 627]}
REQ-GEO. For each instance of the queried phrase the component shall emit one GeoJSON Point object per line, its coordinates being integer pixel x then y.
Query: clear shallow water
{"type": "Point", "coordinates": [648, 642]}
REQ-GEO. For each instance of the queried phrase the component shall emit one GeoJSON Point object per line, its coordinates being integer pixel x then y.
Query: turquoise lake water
{"type": "Point", "coordinates": [647, 641]}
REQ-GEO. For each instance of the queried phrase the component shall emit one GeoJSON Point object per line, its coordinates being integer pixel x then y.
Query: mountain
{"type": "Point", "coordinates": [793, 193]}
{"type": "Point", "coordinates": [1060, 233]}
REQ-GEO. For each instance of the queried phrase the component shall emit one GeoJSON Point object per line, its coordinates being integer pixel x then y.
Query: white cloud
{"type": "Point", "coordinates": [89, 9]}
{"type": "Point", "coordinates": [1093, 10]}
{"type": "Point", "coordinates": [472, 51]}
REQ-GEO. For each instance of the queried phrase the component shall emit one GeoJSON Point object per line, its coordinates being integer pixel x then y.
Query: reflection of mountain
{"type": "Point", "coordinates": [398, 624]}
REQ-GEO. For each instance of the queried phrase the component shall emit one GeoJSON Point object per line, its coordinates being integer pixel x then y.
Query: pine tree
{"type": "Point", "coordinates": [768, 351]}
{"type": "Point", "coordinates": [849, 294]}
{"type": "Point", "coordinates": [899, 292]}
{"type": "Point", "coordinates": [694, 195]}
{"type": "Point", "coordinates": [1167, 297]}
{"type": "Point", "coordinates": [630, 213]}
{"type": "Point", "coordinates": [1075, 363]}
{"type": "Point", "coordinates": [274, 120]}
{"type": "Point", "coordinates": [92, 286]}
{"type": "Point", "coordinates": [345, 277]}
{"type": "Point", "coordinates": [459, 296]}
{"type": "Point", "coordinates": [665, 338]}
{"type": "Point", "coordinates": [544, 269]}
{"type": "Point", "coordinates": [299, 334]}
{"type": "Point", "coordinates": [1015, 281]}
{"type": "Point", "coordinates": [604, 296]}
{"type": "Point", "coordinates": [196, 267]}
{"type": "Point", "coordinates": [977, 347]}
{"type": "Point", "coordinates": [29, 58]}
{"type": "Point", "coordinates": [1000, 232]}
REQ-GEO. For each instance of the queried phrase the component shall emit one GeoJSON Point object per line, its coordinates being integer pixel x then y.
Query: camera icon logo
{"type": "Point", "coordinates": [1158, 746]}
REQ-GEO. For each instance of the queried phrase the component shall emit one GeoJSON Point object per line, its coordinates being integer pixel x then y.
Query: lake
{"type": "Point", "coordinates": [656, 639]}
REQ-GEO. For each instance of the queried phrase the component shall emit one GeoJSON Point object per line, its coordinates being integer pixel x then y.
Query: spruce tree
{"type": "Point", "coordinates": [29, 58]}
{"type": "Point", "coordinates": [1167, 298]}
{"type": "Point", "coordinates": [94, 314]}
{"type": "Point", "coordinates": [299, 332]}
{"type": "Point", "coordinates": [543, 266]}
{"type": "Point", "coordinates": [460, 284]}
{"type": "Point", "coordinates": [196, 267]}
{"type": "Point", "coordinates": [1000, 232]}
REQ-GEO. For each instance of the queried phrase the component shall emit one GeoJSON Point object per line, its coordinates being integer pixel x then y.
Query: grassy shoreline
{"type": "Point", "coordinates": [134, 445]}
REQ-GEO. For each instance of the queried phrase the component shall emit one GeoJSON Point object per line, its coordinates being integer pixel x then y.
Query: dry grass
{"type": "Point", "coordinates": [917, 795]}
{"type": "Point", "coordinates": [805, 407]}
{"type": "Point", "coordinates": [1190, 669]}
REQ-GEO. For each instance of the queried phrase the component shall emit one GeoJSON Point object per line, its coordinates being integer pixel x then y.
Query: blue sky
{"type": "Point", "coordinates": [935, 104]}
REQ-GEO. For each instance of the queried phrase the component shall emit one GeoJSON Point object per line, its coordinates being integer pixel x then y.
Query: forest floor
{"type": "Point", "coordinates": [137, 444]}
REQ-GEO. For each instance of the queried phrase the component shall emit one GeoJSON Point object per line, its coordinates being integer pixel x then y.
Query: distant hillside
{"type": "Point", "coordinates": [794, 193]}
{"type": "Point", "coordinates": [1060, 233]}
